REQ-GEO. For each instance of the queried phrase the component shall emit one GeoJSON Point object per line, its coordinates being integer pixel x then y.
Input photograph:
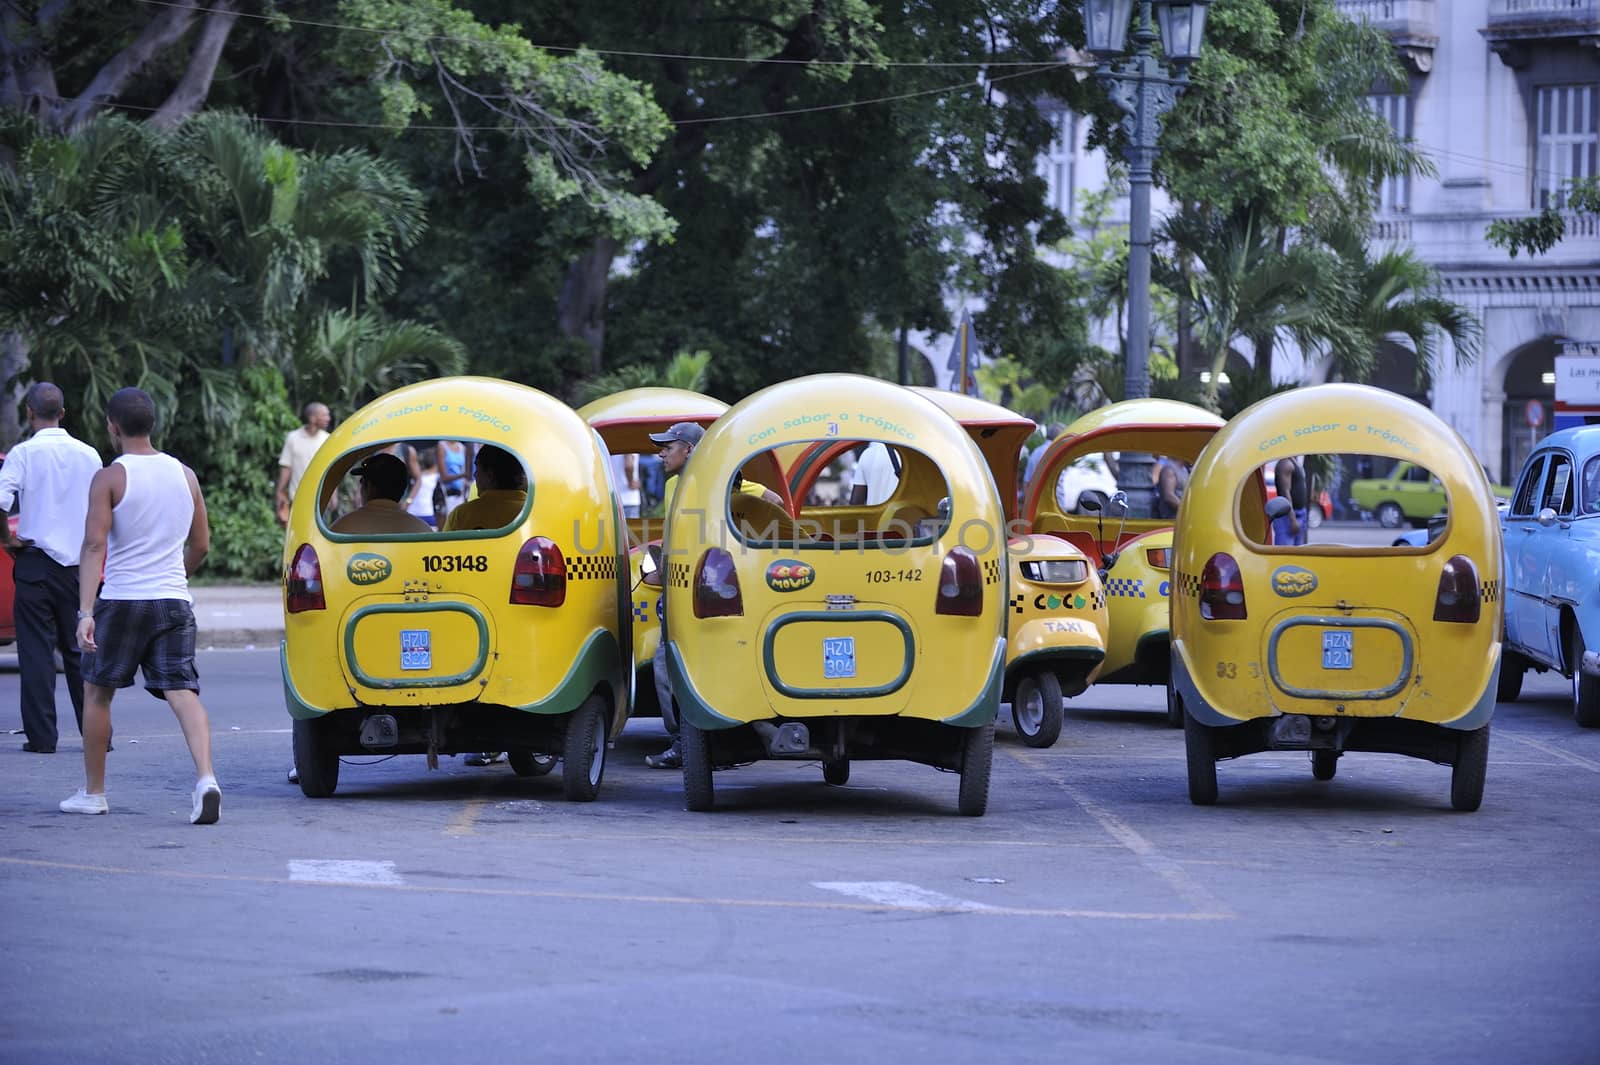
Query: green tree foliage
{"type": "Point", "coordinates": [1543, 231]}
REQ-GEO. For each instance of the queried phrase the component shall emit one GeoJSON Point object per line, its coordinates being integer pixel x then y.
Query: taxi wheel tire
{"type": "Point", "coordinates": [1174, 708]}
{"type": "Point", "coordinates": [977, 759]}
{"type": "Point", "coordinates": [1390, 516]}
{"type": "Point", "coordinates": [836, 771]}
{"type": "Point", "coordinates": [1036, 709]}
{"type": "Point", "coordinates": [1202, 759]}
{"type": "Point", "coordinates": [1471, 766]}
{"type": "Point", "coordinates": [315, 760]}
{"type": "Point", "coordinates": [531, 763]}
{"type": "Point", "coordinates": [583, 762]}
{"type": "Point", "coordinates": [1324, 764]}
{"type": "Point", "coordinates": [1512, 669]}
{"type": "Point", "coordinates": [696, 749]}
{"type": "Point", "coordinates": [1585, 689]}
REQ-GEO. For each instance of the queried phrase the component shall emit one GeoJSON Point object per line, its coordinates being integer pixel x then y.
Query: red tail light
{"type": "Point", "coordinates": [960, 585]}
{"type": "Point", "coordinates": [303, 586]}
{"type": "Point", "coordinates": [716, 586]}
{"type": "Point", "coordinates": [540, 576]}
{"type": "Point", "coordinates": [1221, 589]}
{"type": "Point", "coordinates": [1459, 598]}
{"type": "Point", "coordinates": [1159, 557]}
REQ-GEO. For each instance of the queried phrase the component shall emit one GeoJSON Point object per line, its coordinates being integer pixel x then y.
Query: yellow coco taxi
{"type": "Point", "coordinates": [624, 422]}
{"type": "Point", "coordinates": [1056, 614]}
{"type": "Point", "coordinates": [1134, 548]}
{"type": "Point", "coordinates": [849, 630]}
{"type": "Point", "coordinates": [504, 630]}
{"type": "Point", "coordinates": [1335, 647]}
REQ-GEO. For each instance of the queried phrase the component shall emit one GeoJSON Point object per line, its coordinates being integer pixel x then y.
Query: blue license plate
{"type": "Point", "coordinates": [839, 658]}
{"type": "Point", "coordinates": [1338, 649]}
{"type": "Point", "coordinates": [416, 649]}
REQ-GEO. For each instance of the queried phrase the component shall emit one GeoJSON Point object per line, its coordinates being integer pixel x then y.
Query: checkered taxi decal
{"type": "Point", "coordinates": [991, 571]}
{"type": "Point", "coordinates": [642, 608]}
{"type": "Point", "coordinates": [1125, 587]}
{"type": "Point", "coordinates": [1490, 591]}
{"type": "Point", "coordinates": [678, 574]}
{"type": "Point", "coordinates": [1096, 601]}
{"type": "Point", "coordinates": [1187, 585]}
{"type": "Point", "coordinates": [592, 568]}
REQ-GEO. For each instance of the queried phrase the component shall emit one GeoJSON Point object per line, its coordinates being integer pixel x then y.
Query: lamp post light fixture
{"type": "Point", "coordinates": [1145, 88]}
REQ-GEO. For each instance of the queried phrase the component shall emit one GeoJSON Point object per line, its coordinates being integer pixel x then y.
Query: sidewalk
{"type": "Point", "coordinates": [227, 615]}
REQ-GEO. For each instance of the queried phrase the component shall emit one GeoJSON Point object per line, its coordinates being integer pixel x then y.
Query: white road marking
{"type": "Point", "coordinates": [893, 893]}
{"type": "Point", "coordinates": [336, 871]}
{"type": "Point", "coordinates": [1554, 752]}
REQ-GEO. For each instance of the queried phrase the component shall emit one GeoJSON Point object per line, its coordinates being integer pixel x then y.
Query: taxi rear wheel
{"type": "Point", "coordinates": [1036, 709]}
{"type": "Point", "coordinates": [977, 758]}
{"type": "Point", "coordinates": [1470, 768]}
{"type": "Point", "coordinates": [1201, 754]}
{"type": "Point", "coordinates": [836, 771]}
{"type": "Point", "coordinates": [315, 760]}
{"type": "Point", "coordinates": [1585, 689]}
{"type": "Point", "coordinates": [1324, 764]}
{"type": "Point", "coordinates": [526, 763]}
{"type": "Point", "coordinates": [583, 762]}
{"type": "Point", "coordinates": [697, 793]}
{"type": "Point", "coordinates": [1390, 516]}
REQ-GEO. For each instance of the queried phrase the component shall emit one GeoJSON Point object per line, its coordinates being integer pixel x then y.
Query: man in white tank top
{"type": "Point", "coordinates": [147, 524]}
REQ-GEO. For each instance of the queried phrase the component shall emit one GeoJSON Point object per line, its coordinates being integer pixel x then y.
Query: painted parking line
{"type": "Point", "coordinates": [895, 895]}
{"type": "Point", "coordinates": [465, 823]}
{"type": "Point", "coordinates": [1554, 752]}
{"type": "Point", "coordinates": [343, 871]}
{"type": "Point", "coordinates": [707, 902]}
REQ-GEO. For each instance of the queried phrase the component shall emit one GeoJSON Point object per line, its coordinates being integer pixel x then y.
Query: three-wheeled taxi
{"type": "Point", "coordinates": [507, 633]}
{"type": "Point", "coordinates": [851, 630]}
{"type": "Point", "coordinates": [624, 422]}
{"type": "Point", "coordinates": [1056, 619]}
{"type": "Point", "coordinates": [1132, 547]}
{"type": "Point", "coordinates": [1335, 647]}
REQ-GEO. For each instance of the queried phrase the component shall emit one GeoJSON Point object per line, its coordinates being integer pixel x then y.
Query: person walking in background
{"type": "Point", "coordinates": [421, 505]}
{"type": "Point", "coordinates": [625, 472]}
{"type": "Point", "coordinates": [51, 471]}
{"type": "Point", "coordinates": [1289, 482]}
{"type": "Point", "coordinates": [147, 525]}
{"type": "Point", "coordinates": [453, 475]}
{"type": "Point", "coordinates": [298, 448]}
{"type": "Point", "coordinates": [1172, 480]}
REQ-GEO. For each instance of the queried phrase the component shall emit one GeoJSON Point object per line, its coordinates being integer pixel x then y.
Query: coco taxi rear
{"type": "Point", "coordinates": [1334, 647]}
{"type": "Point", "coordinates": [504, 634]}
{"type": "Point", "coordinates": [871, 629]}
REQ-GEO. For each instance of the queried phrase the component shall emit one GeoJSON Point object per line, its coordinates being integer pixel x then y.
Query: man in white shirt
{"type": "Point", "coordinates": [51, 471]}
{"type": "Point", "coordinates": [298, 448]}
{"type": "Point", "coordinates": [876, 475]}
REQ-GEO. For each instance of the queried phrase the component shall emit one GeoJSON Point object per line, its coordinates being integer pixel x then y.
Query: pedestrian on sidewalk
{"type": "Point", "coordinates": [299, 448]}
{"type": "Point", "coordinates": [51, 471]}
{"type": "Point", "coordinates": [147, 525]}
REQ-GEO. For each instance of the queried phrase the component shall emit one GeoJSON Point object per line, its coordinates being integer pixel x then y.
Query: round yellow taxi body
{"type": "Point", "coordinates": [854, 631]}
{"type": "Point", "coordinates": [507, 634]}
{"type": "Point", "coordinates": [1333, 648]}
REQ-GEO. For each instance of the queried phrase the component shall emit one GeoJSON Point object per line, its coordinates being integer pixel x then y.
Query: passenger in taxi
{"type": "Point", "coordinates": [502, 493]}
{"type": "Point", "coordinates": [384, 480]}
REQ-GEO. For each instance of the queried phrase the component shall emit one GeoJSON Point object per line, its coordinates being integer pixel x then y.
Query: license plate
{"type": "Point", "coordinates": [416, 649]}
{"type": "Point", "coordinates": [839, 658]}
{"type": "Point", "coordinates": [1338, 649]}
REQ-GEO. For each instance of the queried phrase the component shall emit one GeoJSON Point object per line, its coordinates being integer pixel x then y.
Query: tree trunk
{"type": "Point", "coordinates": [191, 92]}
{"type": "Point", "coordinates": [13, 361]}
{"type": "Point", "coordinates": [164, 30]}
{"type": "Point", "coordinates": [581, 307]}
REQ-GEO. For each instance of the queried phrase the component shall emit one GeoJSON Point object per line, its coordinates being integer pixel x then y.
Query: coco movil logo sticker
{"type": "Point", "coordinates": [788, 575]}
{"type": "Point", "coordinates": [1291, 582]}
{"type": "Point", "coordinates": [368, 568]}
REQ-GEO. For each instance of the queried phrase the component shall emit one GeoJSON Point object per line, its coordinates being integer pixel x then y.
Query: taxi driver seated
{"type": "Point", "coordinates": [384, 480]}
{"type": "Point", "coordinates": [502, 493]}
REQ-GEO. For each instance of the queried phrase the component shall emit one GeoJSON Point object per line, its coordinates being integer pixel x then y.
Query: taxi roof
{"type": "Point", "coordinates": [998, 431]}
{"type": "Point", "coordinates": [626, 419]}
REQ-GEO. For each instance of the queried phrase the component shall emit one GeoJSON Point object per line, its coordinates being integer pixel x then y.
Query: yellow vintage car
{"type": "Point", "coordinates": [1133, 549]}
{"type": "Point", "coordinates": [508, 638]}
{"type": "Point", "coordinates": [624, 422]}
{"type": "Point", "coordinates": [1335, 647]}
{"type": "Point", "coordinates": [843, 631]}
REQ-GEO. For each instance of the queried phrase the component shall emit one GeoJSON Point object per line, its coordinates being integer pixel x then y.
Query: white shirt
{"type": "Point", "coordinates": [875, 469]}
{"type": "Point", "coordinates": [628, 497]}
{"type": "Point", "coordinates": [149, 528]}
{"type": "Point", "coordinates": [298, 449]}
{"type": "Point", "coordinates": [52, 471]}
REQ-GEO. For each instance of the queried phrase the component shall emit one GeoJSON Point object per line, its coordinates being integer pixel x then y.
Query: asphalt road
{"type": "Point", "coordinates": [1093, 916]}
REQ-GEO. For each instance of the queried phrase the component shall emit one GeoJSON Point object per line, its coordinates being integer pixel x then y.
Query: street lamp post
{"type": "Point", "coordinates": [1145, 90]}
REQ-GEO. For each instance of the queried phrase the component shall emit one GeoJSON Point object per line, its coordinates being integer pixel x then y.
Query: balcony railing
{"type": "Point", "coordinates": [1413, 25]}
{"type": "Point", "coordinates": [1515, 25]}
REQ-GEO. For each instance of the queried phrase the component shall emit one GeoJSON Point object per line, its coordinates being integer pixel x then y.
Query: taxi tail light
{"type": "Point", "coordinates": [303, 585]}
{"type": "Point", "coordinates": [1459, 598]}
{"type": "Point", "coordinates": [1159, 557]}
{"type": "Point", "coordinates": [716, 586]}
{"type": "Point", "coordinates": [540, 576]}
{"type": "Point", "coordinates": [960, 585]}
{"type": "Point", "coordinates": [1221, 589]}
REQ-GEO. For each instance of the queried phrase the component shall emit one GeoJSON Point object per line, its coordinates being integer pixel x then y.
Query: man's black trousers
{"type": "Point", "coordinates": [47, 619]}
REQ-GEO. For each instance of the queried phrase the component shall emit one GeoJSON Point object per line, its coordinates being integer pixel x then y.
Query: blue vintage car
{"type": "Point", "coordinates": [1552, 543]}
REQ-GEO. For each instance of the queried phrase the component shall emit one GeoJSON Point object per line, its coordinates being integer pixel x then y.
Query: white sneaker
{"type": "Point", "coordinates": [207, 802]}
{"type": "Point", "coordinates": [84, 803]}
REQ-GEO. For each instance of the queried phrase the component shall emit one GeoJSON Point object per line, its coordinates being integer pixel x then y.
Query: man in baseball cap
{"type": "Point", "coordinates": [384, 480]}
